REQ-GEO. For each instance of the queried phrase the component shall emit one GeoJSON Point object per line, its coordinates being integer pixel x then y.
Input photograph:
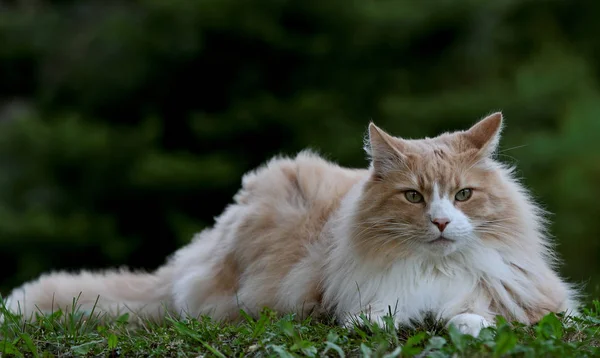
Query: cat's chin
{"type": "Point", "coordinates": [441, 245]}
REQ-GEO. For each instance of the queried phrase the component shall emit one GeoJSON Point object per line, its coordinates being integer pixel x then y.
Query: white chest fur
{"type": "Point", "coordinates": [409, 290]}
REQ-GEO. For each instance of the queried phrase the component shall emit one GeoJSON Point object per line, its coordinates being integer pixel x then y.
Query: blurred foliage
{"type": "Point", "coordinates": [126, 126]}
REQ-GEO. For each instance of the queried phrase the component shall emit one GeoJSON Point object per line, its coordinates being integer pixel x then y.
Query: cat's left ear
{"type": "Point", "coordinates": [485, 134]}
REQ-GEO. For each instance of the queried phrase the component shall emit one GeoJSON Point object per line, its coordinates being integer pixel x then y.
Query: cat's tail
{"type": "Point", "coordinates": [145, 296]}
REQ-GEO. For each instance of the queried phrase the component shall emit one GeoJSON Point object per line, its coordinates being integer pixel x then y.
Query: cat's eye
{"type": "Point", "coordinates": [463, 194]}
{"type": "Point", "coordinates": [413, 196]}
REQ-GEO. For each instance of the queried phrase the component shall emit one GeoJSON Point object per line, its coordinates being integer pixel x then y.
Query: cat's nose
{"type": "Point", "coordinates": [441, 223]}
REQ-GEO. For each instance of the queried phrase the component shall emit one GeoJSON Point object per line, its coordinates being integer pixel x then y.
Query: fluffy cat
{"type": "Point", "coordinates": [433, 226]}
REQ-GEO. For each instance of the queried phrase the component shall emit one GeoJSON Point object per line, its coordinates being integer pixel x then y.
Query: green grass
{"type": "Point", "coordinates": [73, 334]}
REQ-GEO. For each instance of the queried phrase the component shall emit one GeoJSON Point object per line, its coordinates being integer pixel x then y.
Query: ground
{"type": "Point", "coordinates": [73, 335]}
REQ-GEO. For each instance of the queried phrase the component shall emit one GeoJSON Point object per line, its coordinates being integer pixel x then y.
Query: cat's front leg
{"type": "Point", "coordinates": [469, 323]}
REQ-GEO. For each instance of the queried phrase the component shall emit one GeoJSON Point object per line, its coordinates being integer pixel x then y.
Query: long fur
{"type": "Point", "coordinates": [305, 235]}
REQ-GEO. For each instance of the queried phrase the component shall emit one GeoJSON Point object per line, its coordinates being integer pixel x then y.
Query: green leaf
{"type": "Point", "coordinates": [85, 348]}
{"type": "Point", "coordinates": [416, 339]}
{"type": "Point", "coordinates": [260, 326]}
{"type": "Point", "coordinates": [29, 343]}
{"type": "Point", "coordinates": [550, 327]}
{"type": "Point", "coordinates": [330, 344]}
{"type": "Point", "coordinates": [436, 343]}
{"type": "Point", "coordinates": [365, 350]}
{"type": "Point", "coordinates": [437, 355]}
{"type": "Point", "coordinates": [505, 341]}
{"type": "Point", "coordinates": [8, 348]}
{"type": "Point", "coordinates": [393, 354]}
{"type": "Point", "coordinates": [335, 347]}
{"type": "Point", "coordinates": [310, 351]}
{"type": "Point", "coordinates": [246, 316]}
{"type": "Point", "coordinates": [112, 341]}
{"type": "Point", "coordinates": [123, 319]}
{"type": "Point", "coordinates": [487, 335]}
{"type": "Point", "coordinates": [332, 336]}
{"type": "Point", "coordinates": [287, 327]}
{"type": "Point", "coordinates": [212, 349]}
{"type": "Point", "coordinates": [458, 339]}
{"type": "Point", "coordinates": [409, 347]}
{"type": "Point", "coordinates": [281, 351]}
{"type": "Point", "coordinates": [305, 346]}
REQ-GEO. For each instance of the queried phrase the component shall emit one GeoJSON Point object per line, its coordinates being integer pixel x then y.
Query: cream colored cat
{"type": "Point", "coordinates": [435, 225]}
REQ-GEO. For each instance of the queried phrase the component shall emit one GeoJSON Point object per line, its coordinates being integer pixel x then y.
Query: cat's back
{"type": "Point", "coordinates": [287, 202]}
{"type": "Point", "coordinates": [306, 181]}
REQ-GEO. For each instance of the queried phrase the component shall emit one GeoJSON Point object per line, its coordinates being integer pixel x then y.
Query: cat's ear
{"type": "Point", "coordinates": [485, 134]}
{"type": "Point", "coordinates": [384, 150]}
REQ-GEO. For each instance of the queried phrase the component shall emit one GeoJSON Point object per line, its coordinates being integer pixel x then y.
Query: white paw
{"type": "Point", "coordinates": [469, 323]}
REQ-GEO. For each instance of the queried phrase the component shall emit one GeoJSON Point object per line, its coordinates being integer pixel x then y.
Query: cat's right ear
{"type": "Point", "coordinates": [384, 150]}
{"type": "Point", "coordinates": [485, 134]}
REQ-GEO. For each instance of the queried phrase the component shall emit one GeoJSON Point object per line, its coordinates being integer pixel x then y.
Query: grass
{"type": "Point", "coordinates": [72, 334]}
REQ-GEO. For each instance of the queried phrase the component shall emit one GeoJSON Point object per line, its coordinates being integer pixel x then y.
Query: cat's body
{"type": "Point", "coordinates": [433, 226]}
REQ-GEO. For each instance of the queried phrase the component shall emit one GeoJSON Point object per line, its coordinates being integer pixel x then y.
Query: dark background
{"type": "Point", "coordinates": [125, 126]}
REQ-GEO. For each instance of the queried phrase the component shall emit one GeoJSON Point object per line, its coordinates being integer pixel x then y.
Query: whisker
{"type": "Point", "coordinates": [512, 148]}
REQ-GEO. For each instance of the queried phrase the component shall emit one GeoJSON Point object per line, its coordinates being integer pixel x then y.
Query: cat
{"type": "Point", "coordinates": [433, 226]}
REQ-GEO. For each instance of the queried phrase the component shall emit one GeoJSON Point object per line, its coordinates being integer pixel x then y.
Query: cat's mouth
{"type": "Point", "coordinates": [441, 240]}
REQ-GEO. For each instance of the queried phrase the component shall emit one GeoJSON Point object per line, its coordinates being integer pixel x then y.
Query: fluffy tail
{"type": "Point", "coordinates": [112, 293]}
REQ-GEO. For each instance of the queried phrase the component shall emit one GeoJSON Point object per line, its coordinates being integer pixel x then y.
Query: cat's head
{"type": "Point", "coordinates": [439, 195]}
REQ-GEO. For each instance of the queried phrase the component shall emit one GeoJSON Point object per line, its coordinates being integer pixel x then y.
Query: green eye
{"type": "Point", "coordinates": [463, 194]}
{"type": "Point", "coordinates": [413, 196]}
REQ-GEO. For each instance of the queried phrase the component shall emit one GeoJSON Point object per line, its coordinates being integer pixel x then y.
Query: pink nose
{"type": "Point", "coordinates": [441, 223]}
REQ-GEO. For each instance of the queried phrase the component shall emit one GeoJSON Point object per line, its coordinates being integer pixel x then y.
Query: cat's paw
{"type": "Point", "coordinates": [469, 323]}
